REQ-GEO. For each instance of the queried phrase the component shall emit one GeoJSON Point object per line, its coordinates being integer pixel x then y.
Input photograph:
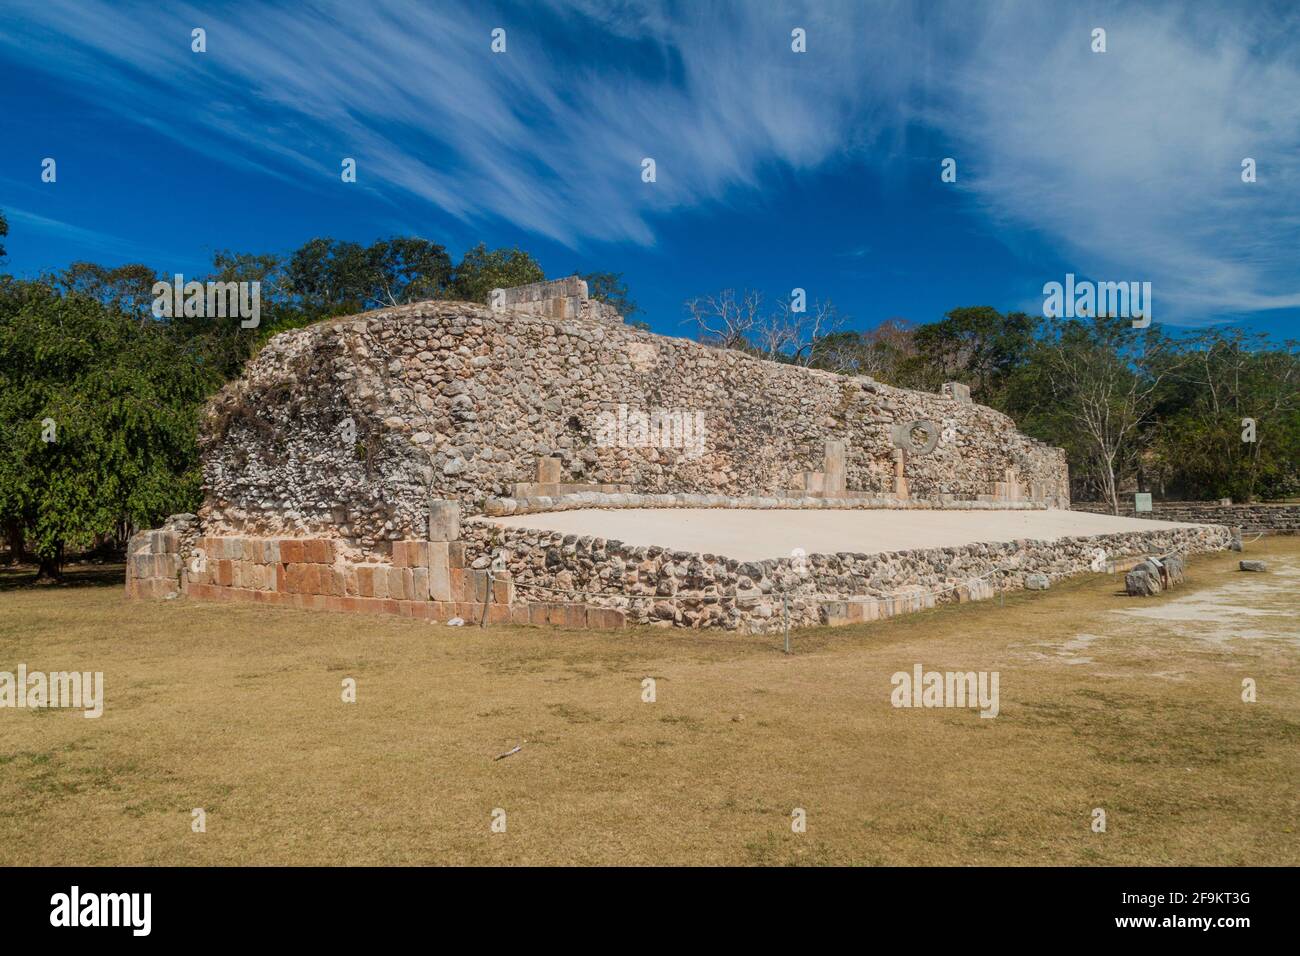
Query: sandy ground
{"type": "Point", "coordinates": [749, 535]}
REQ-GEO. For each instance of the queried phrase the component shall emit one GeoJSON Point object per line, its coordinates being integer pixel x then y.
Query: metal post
{"type": "Point", "coordinates": [785, 610]}
{"type": "Point", "coordinates": [487, 598]}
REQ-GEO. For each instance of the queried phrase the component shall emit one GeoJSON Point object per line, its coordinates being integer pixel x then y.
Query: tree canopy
{"type": "Point", "coordinates": [99, 415]}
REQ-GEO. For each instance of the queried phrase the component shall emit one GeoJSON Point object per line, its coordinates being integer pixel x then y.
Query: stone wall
{"type": "Point", "coordinates": [658, 585]}
{"type": "Point", "coordinates": [1251, 519]}
{"type": "Point", "coordinates": [349, 428]}
{"type": "Point", "coordinates": [155, 559]}
{"type": "Point", "coordinates": [501, 575]}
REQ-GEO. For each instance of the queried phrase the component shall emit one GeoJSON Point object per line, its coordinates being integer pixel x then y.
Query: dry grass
{"type": "Point", "coordinates": [237, 710]}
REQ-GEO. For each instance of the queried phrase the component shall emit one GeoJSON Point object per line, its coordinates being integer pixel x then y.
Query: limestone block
{"type": "Point", "coordinates": [1173, 571]}
{"type": "Point", "coordinates": [365, 580]}
{"type": "Point", "coordinates": [164, 542]}
{"type": "Point", "coordinates": [397, 584]}
{"type": "Point", "coordinates": [834, 467]}
{"type": "Point", "coordinates": [834, 613]}
{"type": "Point", "coordinates": [444, 520]}
{"type": "Point", "coordinates": [318, 551]}
{"type": "Point", "coordinates": [956, 391]}
{"type": "Point", "coordinates": [605, 618]}
{"type": "Point", "coordinates": [419, 586]}
{"type": "Point", "coordinates": [548, 471]}
{"type": "Point", "coordinates": [1143, 581]}
{"type": "Point", "coordinates": [411, 554]}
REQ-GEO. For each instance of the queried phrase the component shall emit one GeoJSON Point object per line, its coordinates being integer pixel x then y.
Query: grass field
{"type": "Point", "coordinates": [1105, 702]}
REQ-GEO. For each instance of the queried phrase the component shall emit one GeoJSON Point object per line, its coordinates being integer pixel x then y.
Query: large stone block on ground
{"type": "Point", "coordinates": [1143, 580]}
{"type": "Point", "coordinates": [1173, 571]}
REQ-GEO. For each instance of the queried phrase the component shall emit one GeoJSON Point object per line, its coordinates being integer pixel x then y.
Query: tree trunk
{"type": "Point", "coordinates": [14, 538]}
{"type": "Point", "coordinates": [1108, 485]}
{"type": "Point", "coordinates": [50, 566]}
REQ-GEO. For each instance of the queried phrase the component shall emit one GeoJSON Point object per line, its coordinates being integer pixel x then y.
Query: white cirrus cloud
{"type": "Point", "coordinates": [1126, 164]}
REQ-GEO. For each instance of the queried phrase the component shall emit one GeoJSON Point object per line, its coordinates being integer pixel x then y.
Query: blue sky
{"type": "Point", "coordinates": [819, 170]}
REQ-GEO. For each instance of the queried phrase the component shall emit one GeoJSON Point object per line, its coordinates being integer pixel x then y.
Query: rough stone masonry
{"type": "Point", "coordinates": [376, 434]}
{"type": "Point", "coordinates": [348, 428]}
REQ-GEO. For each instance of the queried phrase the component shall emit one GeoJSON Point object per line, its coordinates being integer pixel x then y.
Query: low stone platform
{"type": "Point", "coordinates": [734, 569]}
{"type": "Point", "coordinates": [761, 570]}
{"type": "Point", "coordinates": [754, 534]}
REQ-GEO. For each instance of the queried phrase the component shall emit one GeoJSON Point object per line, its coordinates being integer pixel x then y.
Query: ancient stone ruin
{"type": "Point", "coordinates": [386, 462]}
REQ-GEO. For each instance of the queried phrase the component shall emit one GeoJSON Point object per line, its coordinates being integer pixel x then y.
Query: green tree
{"type": "Point", "coordinates": [127, 288]}
{"type": "Point", "coordinates": [1092, 386]}
{"type": "Point", "coordinates": [482, 270]}
{"type": "Point", "coordinates": [224, 346]}
{"type": "Point", "coordinates": [332, 277]}
{"type": "Point", "coordinates": [609, 287]}
{"type": "Point", "coordinates": [403, 270]}
{"type": "Point", "coordinates": [976, 345]}
{"type": "Point", "coordinates": [98, 417]}
{"type": "Point", "coordinates": [1234, 386]}
{"type": "Point", "coordinates": [4, 231]}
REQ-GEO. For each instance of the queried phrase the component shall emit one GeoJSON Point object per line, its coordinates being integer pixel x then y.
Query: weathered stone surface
{"type": "Point", "coordinates": [340, 466]}
{"type": "Point", "coordinates": [1257, 518]}
{"type": "Point", "coordinates": [1143, 580]}
{"type": "Point", "coordinates": [652, 585]}
{"type": "Point", "coordinates": [444, 520]}
{"type": "Point", "coordinates": [957, 391]}
{"type": "Point", "coordinates": [1037, 582]}
{"type": "Point", "coordinates": [1174, 570]}
{"type": "Point", "coordinates": [1253, 565]}
{"type": "Point", "coordinates": [348, 428]}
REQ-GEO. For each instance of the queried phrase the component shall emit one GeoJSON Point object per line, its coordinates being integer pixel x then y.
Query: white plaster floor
{"type": "Point", "coordinates": [750, 535]}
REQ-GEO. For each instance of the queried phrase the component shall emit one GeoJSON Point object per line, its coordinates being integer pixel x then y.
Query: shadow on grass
{"type": "Point", "coordinates": [23, 576]}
